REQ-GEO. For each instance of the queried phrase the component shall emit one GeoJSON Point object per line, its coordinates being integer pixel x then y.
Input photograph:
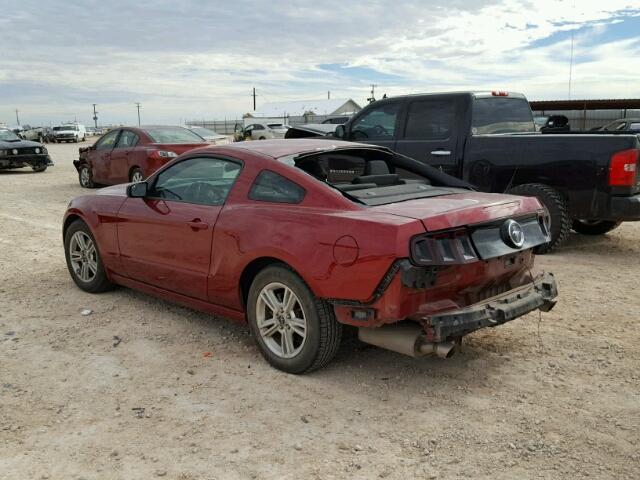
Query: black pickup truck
{"type": "Point", "coordinates": [587, 182]}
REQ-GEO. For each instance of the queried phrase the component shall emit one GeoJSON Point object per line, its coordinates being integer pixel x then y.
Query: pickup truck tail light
{"type": "Point", "coordinates": [446, 248]}
{"type": "Point", "coordinates": [623, 168]}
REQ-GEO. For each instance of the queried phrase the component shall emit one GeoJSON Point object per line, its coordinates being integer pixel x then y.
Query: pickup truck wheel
{"type": "Point", "coordinates": [558, 212]}
{"type": "Point", "coordinates": [594, 227]}
{"type": "Point", "coordinates": [83, 259]}
{"type": "Point", "coordinates": [85, 176]}
{"type": "Point", "coordinates": [295, 331]}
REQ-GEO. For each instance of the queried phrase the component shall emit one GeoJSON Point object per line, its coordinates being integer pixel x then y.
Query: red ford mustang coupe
{"type": "Point", "coordinates": [130, 154]}
{"type": "Point", "coordinates": [300, 237]}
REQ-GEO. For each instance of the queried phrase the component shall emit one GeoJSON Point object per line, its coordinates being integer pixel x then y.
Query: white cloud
{"type": "Point", "coordinates": [201, 60]}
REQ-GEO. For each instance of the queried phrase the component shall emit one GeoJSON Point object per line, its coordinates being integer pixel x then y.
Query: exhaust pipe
{"type": "Point", "coordinates": [406, 338]}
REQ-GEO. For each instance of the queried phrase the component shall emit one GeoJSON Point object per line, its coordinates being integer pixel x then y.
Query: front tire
{"type": "Point", "coordinates": [85, 176]}
{"type": "Point", "coordinates": [40, 168]}
{"type": "Point", "coordinates": [83, 259]}
{"type": "Point", "coordinates": [295, 331]}
{"type": "Point", "coordinates": [594, 227]}
{"type": "Point", "coordinates": [557, 208]}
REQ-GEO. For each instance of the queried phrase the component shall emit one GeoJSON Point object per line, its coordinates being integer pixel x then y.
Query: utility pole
{"type": "Point", "coordinates": [17, 118]}
{"type": "Point", "coordinates": [328, 95]}
{"type": "Point", "coordinates": [138, 107]}
{"type": "Point", "coordinates": [254, 99]}
{"type": "Point", "coordinates": [95, 115]}
{"type": "Point", "coordinates": [373, 97]}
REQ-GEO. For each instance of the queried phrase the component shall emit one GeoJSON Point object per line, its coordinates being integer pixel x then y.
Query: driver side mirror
{"type": "Point", "coordinates": [138, 190]}
{"type": "Point", "coordinates": [340, 132]}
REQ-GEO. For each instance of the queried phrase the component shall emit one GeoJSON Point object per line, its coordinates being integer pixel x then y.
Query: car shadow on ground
{"type": "Point", "coordinates": [612, 244]}
{"type": "Point", "coordinates": [24, 171]}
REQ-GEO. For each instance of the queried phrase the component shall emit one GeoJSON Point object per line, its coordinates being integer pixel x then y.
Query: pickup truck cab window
{"type": "Point", "coordinates": [379, 123]}
{"type": "Point", "coordinates": [430, 120]}
{"type": "Point", "coordinates": [493, 115]}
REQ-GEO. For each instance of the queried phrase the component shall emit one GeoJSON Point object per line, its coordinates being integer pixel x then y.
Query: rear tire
{"type": "Point", "coordinates": [83, 259]}
{"type": "Point", "coordinates": [595, 227]}
{"type": "Point", "coordinates": [557, 208]}
{"type": "Point", "coordinates": [136, 175]}
{"type": "Point", "coordinates": [303, 312]}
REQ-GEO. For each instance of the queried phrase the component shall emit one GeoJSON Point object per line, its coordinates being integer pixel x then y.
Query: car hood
{"type": "Point", "coordinates": [119, 190]}
{"type": "Point", "coordinates": [450, 211]}
{"type": "Point", "coordinates": [19, 144]}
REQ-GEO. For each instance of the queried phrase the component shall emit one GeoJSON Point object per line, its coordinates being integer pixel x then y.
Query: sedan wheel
{"type": "Point", "coordinates": [295, 331]}
{"type": "Point", "coordinates": [137, 176]}
{"type": "Point", "coordinates": [83, 259]}
{"type": "Point", "coordinates": [84, 256]}
{"type": "Point", "coordinates": [281, 320]}
{"type": "Point", "coordinates": [85, 177]}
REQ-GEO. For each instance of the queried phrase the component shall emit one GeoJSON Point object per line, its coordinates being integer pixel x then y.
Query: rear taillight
{"type": "Point", "coordinates": [162, 154]}
{"type": "Point", "coordinates": [499, 93]}
{"type": "Point", "coordinates": [447, 248]}
{"type": "Point", "coordinates": [623, 168]}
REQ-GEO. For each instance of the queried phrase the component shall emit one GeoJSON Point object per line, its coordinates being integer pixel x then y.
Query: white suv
{"type": "Point", "coordinates": [69, 133]}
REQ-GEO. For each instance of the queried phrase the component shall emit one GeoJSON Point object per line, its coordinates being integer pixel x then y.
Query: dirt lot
{"type": "Point", "coordinates": [552, 399]}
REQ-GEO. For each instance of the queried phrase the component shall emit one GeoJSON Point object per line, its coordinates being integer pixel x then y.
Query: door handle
{"type": "Point", "coordinates": [441, 153]}
{"type": "Point", "coordinates": [197, 224]}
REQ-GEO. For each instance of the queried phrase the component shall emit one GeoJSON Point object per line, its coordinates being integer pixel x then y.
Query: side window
{"type": "Point", "coordinates": [430, 120]}
{"type": "Point", "coordinates": [634, 126]}
{"type": "Point", "coordinates": [377, 124]}
{"type": "Point", "coordinates": [257, 126]}
{"type": "Point", "coordinates": [127, 139]}
{"type": "Point", "coordinates": [108, 141]}
{"type": "Point", "coordinates": [201, 180]}
{"type": "Point", "coordinates": [272, 187]}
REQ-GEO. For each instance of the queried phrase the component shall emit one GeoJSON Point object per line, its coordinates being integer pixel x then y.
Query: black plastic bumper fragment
{"type": "Point", "coordinates": [625, 208]}
{"type": "Point", "coordinates": [417, 277]}
{"type": "Point", "coordinates": [539, 295]}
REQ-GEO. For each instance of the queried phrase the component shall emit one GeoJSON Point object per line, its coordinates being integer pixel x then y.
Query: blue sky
{"type": "Point", "coordinates": [200, 60]}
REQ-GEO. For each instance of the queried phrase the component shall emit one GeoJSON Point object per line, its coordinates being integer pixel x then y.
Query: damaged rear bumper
{"type": "Point", "coordinates": [539, 295]}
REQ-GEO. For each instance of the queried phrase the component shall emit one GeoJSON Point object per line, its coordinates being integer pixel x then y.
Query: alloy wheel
{"type": "Point", "coordinates": [281, 320]}
{"type": "Point", "coordinates": [83, 256]}
{"type": "Point", "coordinates": [137, 177]}
{"type": "Point", "coordinates": [85, 177]}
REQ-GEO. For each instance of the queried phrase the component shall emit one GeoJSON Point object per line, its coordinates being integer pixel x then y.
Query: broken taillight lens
{"type": "Point", "coordinates": [446, 248]}
{"type": "Point", "coordinates": [623, 168]}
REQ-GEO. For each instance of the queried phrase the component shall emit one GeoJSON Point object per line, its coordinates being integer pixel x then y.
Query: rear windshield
{"type": "Point", "coordinates": [375, 177]}
{"type": "Point", "coordinates": [173, 135]}
{"type": "Point", "coordinates": [501, 115]}
{"type": "Point", "coordinates": [65, 127]}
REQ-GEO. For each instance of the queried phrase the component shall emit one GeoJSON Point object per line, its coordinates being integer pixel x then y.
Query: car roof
{"type": "Point", "coordinates": [282, 148]}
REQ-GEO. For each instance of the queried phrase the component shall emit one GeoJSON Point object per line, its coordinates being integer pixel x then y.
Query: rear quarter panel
{"type": "Point", "coordinates": [304, 236]}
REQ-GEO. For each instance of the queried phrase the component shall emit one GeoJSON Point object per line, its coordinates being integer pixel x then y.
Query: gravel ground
{"type": "Point", "coordinates": [141, 388]}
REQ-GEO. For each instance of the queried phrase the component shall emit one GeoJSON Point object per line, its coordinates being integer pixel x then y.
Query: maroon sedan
{"type": "Point", "coordinates": [301, 237]}
{"type": "Point", "coordinates": [130, 154]}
